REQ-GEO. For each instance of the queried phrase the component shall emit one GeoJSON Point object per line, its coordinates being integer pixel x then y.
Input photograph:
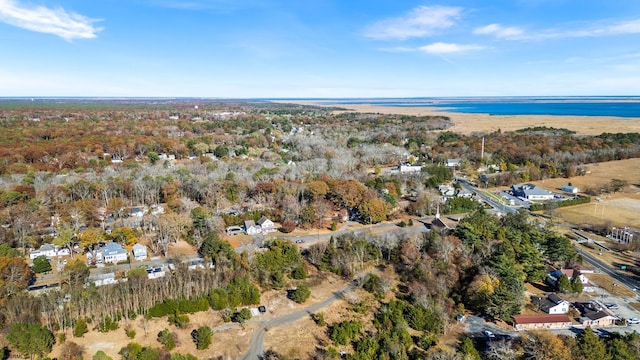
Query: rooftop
{"type": "Point", "coordinates": [540, 319]}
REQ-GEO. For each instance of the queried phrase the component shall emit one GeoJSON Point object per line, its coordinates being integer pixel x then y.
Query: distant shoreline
{"type": "Point", "coordinates": [469, 123]}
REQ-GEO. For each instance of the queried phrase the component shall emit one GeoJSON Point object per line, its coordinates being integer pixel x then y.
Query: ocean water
{"type": "Point", "coordinates": [575, 106]}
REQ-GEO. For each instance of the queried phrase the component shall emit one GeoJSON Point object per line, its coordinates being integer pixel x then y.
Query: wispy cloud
{"type": "Point", "coordinates": [59, 22]}
{"type": "Point", "coordinates": [499, 31]}
{"type": "Point", "coordinates": [602, 28]}
{"type": "Point", "coordinates": [419, 22]}
{"type": "Point", "coordinates": [440, 48]}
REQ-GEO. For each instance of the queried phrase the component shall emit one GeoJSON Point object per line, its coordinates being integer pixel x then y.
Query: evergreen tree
{"type": "Point", "coordinates": [589, 347]}
{"type": "Point", "coordinates": [576, 285]}
{"type": "Point", "coordinates": [30, 339]}
{"type": "Point", "coordinates": [80, 328]}
{"type": "Point", "coordinates": [41, 265]}
{"type": "Point", "coordinates": [202, 337]}
{"type": "Point", "coordinates": [469, 352]}
{"type": "Point", "coordinates": [563, 285]}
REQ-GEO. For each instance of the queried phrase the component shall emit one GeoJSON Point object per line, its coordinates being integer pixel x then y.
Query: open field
{"type": "Point", "coordinates": [619, 209]}
{"type": "Point", "coordinates": [470, 123]}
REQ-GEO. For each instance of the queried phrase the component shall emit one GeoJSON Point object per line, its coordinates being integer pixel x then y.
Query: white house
{"type": "Point", "coordinates": [531, 192]}
{"type": "Point", "coordinates": [560, 305]}
{"type": "Point", "coordinates": [139, 252]}
{"type": "Point", "coordinates": [552, 278]}
{"type": "Point", "coordinates": [407, 169]}
{"type": "Point", "coordinates": [104, 279]}
{"type": "Point", "coordinates": [266, 225]}
{"type": "Point", "coordinates": [453, 163]}
{"type": "Point", "coordinates": [113, 253]}
{"type": "Point", "coordinates": [251, 228]}
{"type": "Point", "coordinates": [47, 250]}
{"type": "Point", "coordinates": [570, 189]}
{"type": "Point", "coordinates": [446, 190]}
{"type": "Point", "coordinates": [156, 272]}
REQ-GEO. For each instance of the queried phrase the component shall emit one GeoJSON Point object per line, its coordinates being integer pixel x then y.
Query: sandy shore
{"type": "Point", "coordinates": [485, 123]}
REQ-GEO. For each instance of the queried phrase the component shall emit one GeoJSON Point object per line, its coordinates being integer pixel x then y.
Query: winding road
{"type": "Point", "coordinates": [256, 347]}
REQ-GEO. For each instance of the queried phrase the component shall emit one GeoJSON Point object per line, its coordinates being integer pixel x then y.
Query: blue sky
{"type": "Point", "coordinates": [319, 48]}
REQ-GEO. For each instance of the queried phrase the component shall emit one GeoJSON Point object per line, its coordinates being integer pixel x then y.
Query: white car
{"type": "Point", "coordinates": [633, 321]}
{"type": "Point", "coordinates": [489, 334]}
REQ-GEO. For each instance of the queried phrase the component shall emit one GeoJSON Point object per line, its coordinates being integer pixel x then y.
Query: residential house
{"type": "Point", "coordinates": [408, 169]}
{"type": "Point", "coordinates": [552, 304]}
{"type": "Point", "coordinates": [539, 322]}
{"type": "Point", "coordinates": [595, 314]}
{"type": "Point", "coordinates": [552, 278]}
{"type": "Point", "coordinates": [446, 190]}
{"type": "Point", "coordinates": [602, 318]}
{"type": "Point", "coordinates": [266, 225]}
{"type": "Point", "coordinates": [137, 211]}
{"type": "Point", "coordinates": [251, 227]}
{"type": "Point", "coordinates": [47, 250]}
{"type": "Point", "coordinates": [113, 253]}
{"type": "Point", "coordinates": [139, 252]}
{"type": "Point", "coordinates": [103, 279]}
{"type": "Point", "coordinates": [464, 193]}
{"type": "Point", "coordinates": [531, 192]}
{"type": "Point", "coordinates": [452, 163]}
{"type": "Point", "coordinates": [156, 272]}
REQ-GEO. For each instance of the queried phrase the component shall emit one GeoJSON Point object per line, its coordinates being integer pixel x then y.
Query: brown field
{"type": "Point", "coordinates": [609, 285]}
{"type": "Point", "coordinates": [619, 209]}
{"type": "Point", "coordinates": [484, 123]}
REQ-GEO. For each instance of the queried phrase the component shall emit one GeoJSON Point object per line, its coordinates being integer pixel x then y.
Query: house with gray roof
{"type": "Point", "coordinates": [531, 192]}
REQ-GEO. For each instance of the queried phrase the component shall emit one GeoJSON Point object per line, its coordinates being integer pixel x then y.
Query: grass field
{"type": "Point", "coordinates": [616, 209]}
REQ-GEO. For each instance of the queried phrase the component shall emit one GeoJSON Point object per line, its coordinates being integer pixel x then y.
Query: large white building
{"type": "Point", "coordinates": [531, 192]}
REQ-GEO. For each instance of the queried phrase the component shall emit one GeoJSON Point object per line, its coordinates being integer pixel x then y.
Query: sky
{"type": "Point", "coordinates": [319, 48]}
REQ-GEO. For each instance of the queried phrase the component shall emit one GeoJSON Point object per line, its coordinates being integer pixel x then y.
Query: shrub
{"type": "Point", "coordinates": [341, 333]}
{"type": "Point", "coordinates": [301, 294]}
{"type": "Point", "coordinates": [219, 299]}
{"type": "Point", "coordinates": [202, 337]}
{"type": "Point", "coordinates": [288, 226]}
{"type": "Point", "coordinates": [167, 338]}
{"type": "Point", "coordinates": [241, 316]}
{"type": "Point", "coordinates": [108, 324]}
{"type": "Point", "coordinates": [179, 320]}
{"type": "Point", "coordinates": [130, 332]}
{"type": "Point", "coordinates": [318, 318]}
{"type": "Point", "coordinates": [80, 328]}
{"type": "Point", "coordinates": [299, 273]}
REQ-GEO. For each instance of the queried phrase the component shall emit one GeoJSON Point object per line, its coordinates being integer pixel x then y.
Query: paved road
{"type": "Point", "coordinates": [256, 347]}
{"type": "Point", "coordinates": [498, 206]}
{"type": "Point", "coordinates": [623, 278]}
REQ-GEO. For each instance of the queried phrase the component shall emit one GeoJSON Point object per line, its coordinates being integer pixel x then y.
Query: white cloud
{"type": "Point", "coordinates": [603, 28]}
{"type": "Point", "coordinates": [499, 31]}
{"type": "Point", "coordinates": [59, 22]}
{"type": "Point", "coordinates": [419, 22]}
{"type": "Point", "coordinates": [439, 48]}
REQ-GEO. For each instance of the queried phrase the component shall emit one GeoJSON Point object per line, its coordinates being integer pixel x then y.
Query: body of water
{"type": "Point", "coordinates": [593, 106]}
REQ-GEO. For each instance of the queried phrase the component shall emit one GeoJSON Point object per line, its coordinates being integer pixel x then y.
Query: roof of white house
{"type": "Point", "coordinates": [113, 248]}
{"type": "Point", "coordinates": [263, 220]}
{"type": "Point", "coordinates": [249, 223]}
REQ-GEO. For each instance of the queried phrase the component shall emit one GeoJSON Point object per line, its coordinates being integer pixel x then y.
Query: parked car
{"type": "Point", "coordinates": [633, 321]}
{"type": "Point", "coordinates": [489, 334]}
{"type": "Point", "coordinates": [299, 241]}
